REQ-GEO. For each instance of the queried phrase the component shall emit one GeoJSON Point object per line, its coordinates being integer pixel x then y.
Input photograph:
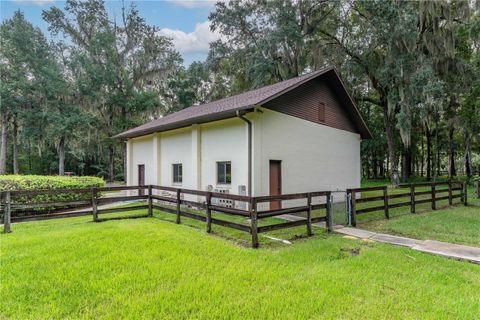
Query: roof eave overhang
{"type": "Point", "coordinates": [182, 124]}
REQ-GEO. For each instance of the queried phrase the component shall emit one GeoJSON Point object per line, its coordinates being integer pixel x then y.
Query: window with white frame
{"type": "Point", "coordinates": [224, 172]}
{"type": "Point", "coordinates": [177, 173]}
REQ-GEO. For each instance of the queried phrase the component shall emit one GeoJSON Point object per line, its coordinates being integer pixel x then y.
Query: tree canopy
{"type": "Point", "coordinates": [412, 67]}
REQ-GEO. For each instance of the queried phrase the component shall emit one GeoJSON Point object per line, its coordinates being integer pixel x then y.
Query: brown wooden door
{"type": "Point", "coordinates": [141, 179]}
{"type": "Point", "coordinates": [275, 183]}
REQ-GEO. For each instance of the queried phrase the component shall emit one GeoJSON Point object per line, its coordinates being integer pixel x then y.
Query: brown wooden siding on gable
{"type": "Point", "coordinates": [306, 102]}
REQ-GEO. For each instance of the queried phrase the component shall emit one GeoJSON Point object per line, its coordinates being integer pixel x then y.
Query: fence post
{"type": "Point", "coordinates": [433, 197]}
{"type": "Point", "coordinates": [461, 192]}
{"type": "Point", "coordinates": [412, 198]}
{"type": "Point", "coordinates": [477, 188]}
{"type": "Point", "coordinates": [329, 220]}
{"type": "Point", "coordinates": [94, 205]}
{"type": "Point", "coordinates": [7, 213]}
{"type": "Point", "coordinates": [177, 221]}
{"type": "Point", "coordinates": [450, 199]}
{"type": "Point", "coordinates": [309, 214]}
{"type": "Point", "coordinates": [150, 201]}
{"type": "Point", "coordinates": [253, 219]}
{"type": "Point", "coordinates": [385, 202]}
{"type": "Point", "coordinates": [465, 192]}
{"type": "Point", "coordinates": [209, 212]}
{"type": "Point", "coordinates": [354, 210]}
{"type": "Point", "coordinates": [347, 207]}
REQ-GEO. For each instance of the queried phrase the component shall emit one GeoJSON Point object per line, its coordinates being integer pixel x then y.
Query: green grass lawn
{"type": "Point", "coordinates": [152, 268]}
{"type": "Point", "coordinates": [456, 224]}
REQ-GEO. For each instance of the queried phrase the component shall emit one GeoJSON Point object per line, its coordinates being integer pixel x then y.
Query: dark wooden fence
{"type": "Point", "coordinates": [15, 204]}
{"type": "Point", "coordinates": [407, 199]}
{"type": "Point", "coordinates": [24, 205]}
{"type": "Point", "coordinates": [307, 208]}
{"type": "Point", "coordinates": [477, 189]}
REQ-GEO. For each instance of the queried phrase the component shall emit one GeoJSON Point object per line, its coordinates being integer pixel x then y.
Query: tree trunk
{"type": "Point", "coordinates": [29, 156]}
{"type": "Point", "coordinates": [382, 168]}
{"type": "Point", "coordinates": [468, 164]}
{"type": "Point", "coordinates": [436, 159]}
{"type": "Point", "coordinates": [468, 167]}
{"type": "Point", "coordinates": [394, 178]}
{"type": "Point", "coordinates": [417, 167]}
{"type": "Point", "coordinates": [4, 140]}
{"type": "Point", "coordinates": [438, 163]}
{"type": "Point", "coordinates": [407, 164]}
{"type": "Point", "coordinates": [422, 159]}
{"type": "Point", "coordinates": [15, 145]}
{"type": "Point", "coordinates": [451, 155]}
{"type": "Point", "coordinates": [429, 154]}
{"type": "Point", "coordinates": [124, 153]}
{"type": "Point", "coordinates": [387, 166]}
{"type": "Point", "coordinates": [408, 160]}
{"type": "Point", "coordinates": [111, 154]}
{"type": "Point", "coordinates": [61, 156]}
{"type": "Point", "coordinates": [111, 149]}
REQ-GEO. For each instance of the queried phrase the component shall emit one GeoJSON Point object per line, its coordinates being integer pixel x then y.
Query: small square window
{"type": "Point", "coordinates": [177, 173]}
{"type": "Point", "coordinates": [224, 172]}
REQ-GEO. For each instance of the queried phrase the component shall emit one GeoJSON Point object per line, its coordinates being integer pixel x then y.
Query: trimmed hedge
{"type": "Point", "coordinates": [35, 182]}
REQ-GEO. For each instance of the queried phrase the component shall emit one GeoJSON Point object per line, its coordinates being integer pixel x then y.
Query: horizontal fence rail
{"type": "Point", "coordinates": [28, 205]}
{"type": "Point", "coordinates": [438, 191]}
{"type": "Point", "coordinates": [307, 209]}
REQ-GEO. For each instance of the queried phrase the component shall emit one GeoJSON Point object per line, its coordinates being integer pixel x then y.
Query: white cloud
{"type": "Point", "coordinates": [194, 42]}
{"type": "Point", "coordinates": [37, 2]}
{"type": "Point", "coordinates": [193, 3]}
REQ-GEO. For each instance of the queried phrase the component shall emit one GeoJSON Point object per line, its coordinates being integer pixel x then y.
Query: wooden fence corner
{"type": "Point", "coordinates": [6, 213]}
{"type": "Point", "coordinates": [177, 221]}
{"type": "Point", "coordinates": [94, 204]}
{"type": "Point", "coordinates": [329, 213]}
{"type": "Point", "coordinates": [150, 201]}
{"type": "Point", "coordinates": [209, 212]}
{"type": "Point", "coordinates": [253, 221]}
{"type": "Point", "coordinates": [309, 214]}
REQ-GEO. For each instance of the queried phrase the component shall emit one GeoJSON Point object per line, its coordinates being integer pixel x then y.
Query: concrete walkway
{"type": "Point", "coordinates": [449, 250]}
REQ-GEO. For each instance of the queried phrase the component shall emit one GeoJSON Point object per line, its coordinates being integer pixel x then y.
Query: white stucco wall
{"type": "Point", "coordinates": [141, 153]}
{"type": "Point", "coordinates": [198, 148]}
{"type": "Point", "coordinates": [129, 156]}
{"type": "Point", "coordinates": [176, 147]}
{"type": "Point", "coordinates": [224, 140]}
{"type": "Point", "coordinates": [314, 157]}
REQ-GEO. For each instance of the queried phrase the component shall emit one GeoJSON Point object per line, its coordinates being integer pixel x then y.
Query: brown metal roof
{"type": "Point", "coordinates": [227, 107]}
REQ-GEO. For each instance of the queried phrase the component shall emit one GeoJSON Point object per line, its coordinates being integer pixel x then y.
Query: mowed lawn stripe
{"type": "Point", "coordinates": [149, 268]}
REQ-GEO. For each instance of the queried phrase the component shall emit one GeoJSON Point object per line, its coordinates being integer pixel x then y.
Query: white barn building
{"type": "Point", "coordinates": [298, 135]}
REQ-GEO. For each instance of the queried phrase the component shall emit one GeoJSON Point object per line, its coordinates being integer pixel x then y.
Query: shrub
{"type": "Point", "coordinates": [34, 182]}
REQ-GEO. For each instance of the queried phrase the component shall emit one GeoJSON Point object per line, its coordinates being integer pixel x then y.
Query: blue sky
{"type": "Point", "coordinates": [183, 20]}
